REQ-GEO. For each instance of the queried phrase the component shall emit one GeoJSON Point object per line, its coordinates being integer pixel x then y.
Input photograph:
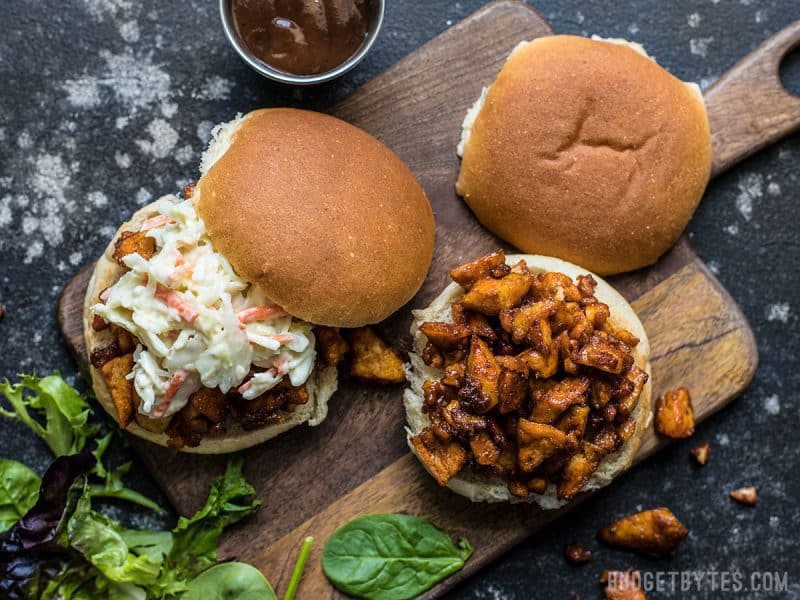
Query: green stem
{"type": "Point", "coordinates": [129, 495]}
{"type": "Point", "coordinates": [298, 569]}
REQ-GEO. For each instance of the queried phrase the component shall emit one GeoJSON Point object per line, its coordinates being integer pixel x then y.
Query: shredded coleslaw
{"type": "Point", "coordinates": [199, 323]}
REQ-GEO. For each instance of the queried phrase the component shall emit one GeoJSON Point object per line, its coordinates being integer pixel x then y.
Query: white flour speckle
{"type": "Point", "coordinates": [774, 521]}
{"type": "Point", "coordinates": [107, 232]}
{"type": "Point", "coordinates": [723, 439]}
{"type": "Point", "coordinates": [129, 30]}
{"type": "Point", "coordinates": [633, 28]}
{"type": "Point", "coordinates": [693, 20]}
{"type": "Point", "coordinates": [760, 16]}
{"type": "Point", "coordinates": [35, 250]}
{"type": "Point", "coordinates": [163, 139]}
{"type": "Point", "coordinates": [204, 131]}
{"type": "Point", "coordinates": [123, 160]}
{"type": "Point", "coordinates": [99, 9]}
{"type": "Point", "coordinates": [779, 312]}
{"type": "Point", "coordinates": [490, 592]}
{"type": "Point", "coordinates": [143, 196]}
{"type": "Point", "coordinates": [751, 187]}
{"type": "Point", "coordinates": [579, 17]}
{"type": "Point", "coordinates": [83, 93]}
{"type": "Point", "coordinates": [169, 109]}
{"type": "Point", "coordinates": [215, 88]}
{"type": "Point", "coordinates": [706, 82]}
{"type": "Point", "coordinates": [5, 211]}
{"type": "Point", "coordinates": [121, 122]}
{"type": "Point", "coordinates": [29, 224]}
{"type": "Point", "coordinates": [24, 140]}
{"type": "Point", "coordinates": [184, 154]}
{"type": "Point", "coordinates": [51, 176]}
{"type": "Point", "coordinates": [75, 258]}
{"type": "Point", "coordinates": [773, 189]}
{"type": "Point", "coordinates": [699, 46]}
{"type": "Point", "coordinates": [713, 266]}
{"type": "Point", "coordinates": [133, 80]}
{"type": "Point", "coordinates": [772, 404]}
{"type": "Point", "coordinates": [98, 199]}
{"type": "Point", "coordinates": [732, 229]}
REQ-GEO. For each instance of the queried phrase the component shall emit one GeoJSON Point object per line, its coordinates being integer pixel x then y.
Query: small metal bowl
{"type": "Point", "coordinates": [270, 72]}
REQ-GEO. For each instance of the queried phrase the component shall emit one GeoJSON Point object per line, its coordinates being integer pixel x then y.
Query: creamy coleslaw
{"type": "Point", "coordinates": [199, 323]}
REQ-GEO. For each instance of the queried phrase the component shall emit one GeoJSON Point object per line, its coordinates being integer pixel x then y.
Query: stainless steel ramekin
{"type": "Point", "coordinates": [258, 65]}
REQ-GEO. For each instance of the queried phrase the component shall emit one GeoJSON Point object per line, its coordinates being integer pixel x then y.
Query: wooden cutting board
{"type": "Point", "coordinates": [312, 480]}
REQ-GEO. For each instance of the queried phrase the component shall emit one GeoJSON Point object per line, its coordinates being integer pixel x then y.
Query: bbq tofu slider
{"type": "Point", "coordinates": [530, 381]}
{"type": "Point", "coordinates": [212, 320]}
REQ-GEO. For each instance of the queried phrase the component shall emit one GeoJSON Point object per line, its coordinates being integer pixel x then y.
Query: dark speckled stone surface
{"type": "Point", "coordinates": [107, 103]}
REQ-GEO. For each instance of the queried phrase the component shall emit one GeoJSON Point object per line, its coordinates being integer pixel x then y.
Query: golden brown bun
{"type": "Point", "coordinates": [589, 151]}
{"type": "Point", "coordinates": [328, 221]}
{"type": "Point", "coordinates": [321, 385]}
{"type": "Point", "coordinates": [484, 489]}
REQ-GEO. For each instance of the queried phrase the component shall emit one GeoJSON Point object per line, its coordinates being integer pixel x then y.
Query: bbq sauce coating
{"type": "Point", "coordinates": [302, 37]}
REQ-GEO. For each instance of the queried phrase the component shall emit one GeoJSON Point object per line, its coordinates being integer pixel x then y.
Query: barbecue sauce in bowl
{"type": "Point", "coordinates": [302, 37]}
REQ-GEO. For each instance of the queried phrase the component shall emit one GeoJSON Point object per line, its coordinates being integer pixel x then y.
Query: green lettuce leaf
{"type": "Point", "coordinates": [88, 555]}
{"type": "Point", "coordinates": [112, 486]}
{"type": "Point", "coordinates": [50, 399]}
{"type": "Point", "coordinates": [103, 543]}
{"type": "Point", "coordinates": [76, 581]}
{"type": "Point", "coordinates": [19, 489]}
{"type": "Point", "coordinates": [195, 540]}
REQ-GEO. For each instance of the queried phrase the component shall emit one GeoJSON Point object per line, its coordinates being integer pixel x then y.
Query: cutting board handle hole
{"type": "Point", "coordinates": [790, 71]}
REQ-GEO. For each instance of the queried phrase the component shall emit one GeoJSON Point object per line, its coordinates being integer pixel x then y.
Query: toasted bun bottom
{"type": "Point", "coordinates": [321, 385]}
{"type": "Point", "coordinates": [484, 489]}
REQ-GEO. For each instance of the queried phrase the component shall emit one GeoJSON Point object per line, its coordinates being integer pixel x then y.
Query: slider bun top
{"type": "Point", "coordinates": [324, 218]}
{"type": "Point", "coordinates": [587, 150]}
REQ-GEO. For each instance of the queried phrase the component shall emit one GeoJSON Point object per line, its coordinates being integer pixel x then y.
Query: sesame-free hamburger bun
{"type": "Point", "coordinates": [587, 150]}
{"type": "Point", "coordinates": [325, 219]}
{"type": "Point", "coordinates": [297, 215]}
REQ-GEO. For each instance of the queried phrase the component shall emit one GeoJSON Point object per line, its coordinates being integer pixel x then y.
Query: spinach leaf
{"type": "Point", "coordinates": [19, 489]}
{"type": "Point", "coordinates": [64, 411]}
{"type": "Point", "coordinates": [230, 580]}
{"type": "Point", "coordinates": [390, 557]}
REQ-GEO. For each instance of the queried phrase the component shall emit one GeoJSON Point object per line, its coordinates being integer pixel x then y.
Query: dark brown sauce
{"type": "Point", "coordinates": [302, 37]}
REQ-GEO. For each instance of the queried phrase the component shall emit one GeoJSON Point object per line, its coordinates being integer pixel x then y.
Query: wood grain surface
{"type": "Point", "coordinates": [312, 480]}
{"type": "Point", "coordinates": [748, 107]}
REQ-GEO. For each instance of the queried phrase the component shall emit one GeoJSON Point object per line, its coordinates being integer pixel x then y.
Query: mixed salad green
{"type": "Point", "coordinates": [55, 545]}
